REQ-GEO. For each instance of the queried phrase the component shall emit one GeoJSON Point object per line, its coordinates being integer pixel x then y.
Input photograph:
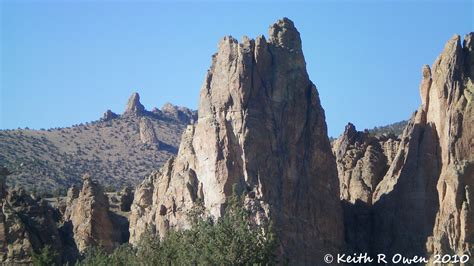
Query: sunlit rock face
{"type": "Point", "coordinates": [261, 128]}
{"type": "Point", "coordinates": [89, 216]}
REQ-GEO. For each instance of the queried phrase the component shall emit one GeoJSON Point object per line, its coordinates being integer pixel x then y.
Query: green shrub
{"type": "Point", "coordinates": [230, 240]}
{"type": "Point", "coordinates": [45, 257]}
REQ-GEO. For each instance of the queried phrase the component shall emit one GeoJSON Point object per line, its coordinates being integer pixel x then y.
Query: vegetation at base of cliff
{"type": "Point", "coordinates": [45, 257]}
{"type": "Point", "coordinates": [231, 239]}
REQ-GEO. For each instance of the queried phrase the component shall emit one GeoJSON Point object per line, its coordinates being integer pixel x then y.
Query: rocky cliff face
{"type": "Point", "coordinates": [88, 214]}
{"type": "Point", "coordinates": [26, 225]}
{"type": "Point", "coordinates": [362, 161]}
{"type": "Point", "coordinates": [450, 112]}
{"type": "Point", "coordinates": [262, 128]}
{"type": "Point", "coordinates": [423, 201]}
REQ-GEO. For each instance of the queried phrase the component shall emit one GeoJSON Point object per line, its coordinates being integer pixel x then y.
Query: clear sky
{"type": "Point", "coordinates": [66, 62]}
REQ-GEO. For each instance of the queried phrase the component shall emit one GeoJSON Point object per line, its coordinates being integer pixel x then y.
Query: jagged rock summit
{"type": "Point", "coordinates": [261, 128]}
{"type": "Point", "coordinates": [134, 107]}
{"type": "Point", "coordinates": [423, 203]}
{"type": "Point", "coordinates": [362, 161]}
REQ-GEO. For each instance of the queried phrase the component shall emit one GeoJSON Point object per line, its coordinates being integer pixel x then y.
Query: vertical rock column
{"type": "Point", "coordinates": [260, 127]}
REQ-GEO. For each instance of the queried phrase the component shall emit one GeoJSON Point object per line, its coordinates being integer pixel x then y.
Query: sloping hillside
{"type": "Point", "coordinates": [117, 150]}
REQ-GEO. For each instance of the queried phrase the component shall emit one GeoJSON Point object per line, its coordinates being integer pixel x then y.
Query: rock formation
{"type": "Point", "coordinates": [109, 115]}
{"type": "Point", "coordinates": [134, 107]}
{"type": "Point", "coordinates": [89, 216]}
{"type": "Point", "coordinates": [182, 114]}
{"type": "Point", "coordinates": [260, 127]}
{"type": "Point", "coordinates": [147, 133]}
{"type": "Point", "coordinates": [26, 225]}
{"type": "Point", "coordinates": [450, 112]}
{"type": "Point", "coordinates": [126, 199]}
{"type": "Point", "coordinates": [362, 161]}
{"type": "Point", "coordinates": [423, 202]}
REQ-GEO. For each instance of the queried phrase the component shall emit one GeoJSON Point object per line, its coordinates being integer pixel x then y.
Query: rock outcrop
{"type": "Point", "coordinates": [180, 113]}
{"type": "Point", "coordinates": [423, 202]}
{"type": "Point", "coordinates": [26, 226]}
{"type": "Point", "coordinates": [450, 112]}
{"type": "Point", "coordinates": [362, 161]}
{"type": "Point", "coordinates": [88, 214]}
{"type": "Point", "coordinates": [147, 133]}
{"type": "Point", "coordinates": [260, 127]}
{"type": "Point", "coordinates": [109, 115]}
{"type": "Point", "coordinates": [134, 107]}
{"type": "Point", "coordinates": [126, 199]}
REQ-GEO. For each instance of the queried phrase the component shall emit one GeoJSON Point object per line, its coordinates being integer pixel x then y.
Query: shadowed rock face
{"type": "Point", "coordinates": [261, 127]}
{"type": "Point", "coordinates": [26, 225]}
{"type": "Point", "coordinates": [422, 205]}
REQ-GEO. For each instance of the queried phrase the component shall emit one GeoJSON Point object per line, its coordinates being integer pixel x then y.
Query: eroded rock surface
{"type": "Point", "coordinates": [147, 133]}
{"type": "Point", "coordinates": [261, 127]}
{"type": "Point", "coordinates": [26, 226]}
{"type": "Point", "coordinates": [134, 107]}
{"type": "Point", "coordinates": [362, 161]}
{"type": "Point", "coordinates": [422, 205]}
{"type": "Point", "coordinates": [88, 214]}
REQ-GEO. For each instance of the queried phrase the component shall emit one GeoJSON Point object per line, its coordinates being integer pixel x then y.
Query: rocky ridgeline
{"type": "Point", "coordinates": [117, 150]}
{"type": "Point", "coordinates": [420, 199]}
{"type": "Point", "coordinates": [262, 130]}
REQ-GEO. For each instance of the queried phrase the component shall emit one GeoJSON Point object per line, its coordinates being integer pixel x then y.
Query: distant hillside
{"type": "Point", "coordinates": [395, 129]}
{"type": "Point", "coordinates": [117, 150]}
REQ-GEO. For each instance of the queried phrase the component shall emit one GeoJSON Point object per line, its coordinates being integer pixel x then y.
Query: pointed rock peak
{"type": "Point", "coordinates": [109, 115]}
{"type": "Point", "coordinates": [452, 45]}
{"type": "Point", "coordinates": [426, 71]}
{"type": "Point", "coordinates": [134, 106]}
{"type": "Point", "coordinates": [350, 129]}
{"type": "Point", "coordinates": [283, 33]}
{"type": "Point", "coordinates": [468, 42]}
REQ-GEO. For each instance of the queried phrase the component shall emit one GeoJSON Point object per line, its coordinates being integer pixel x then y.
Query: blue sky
{"type": "Point", "coordinates": [66, 62]}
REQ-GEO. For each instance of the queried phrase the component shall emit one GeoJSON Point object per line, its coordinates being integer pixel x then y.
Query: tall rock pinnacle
{"type": "Point", "coordinates": [260, 127]}
{"type": "Point", "coordinates": [423, 203]}
{"type": "Point", "coordinates": [133, 105]}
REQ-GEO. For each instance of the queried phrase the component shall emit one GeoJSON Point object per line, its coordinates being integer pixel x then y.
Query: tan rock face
{"type": "Point", "coordinates": [89, 215]}
{"type": "Point", "coordinates": [261, 127]}
{"type": "Point", "coordinates": [26, 225]}
{"type": "Point", "coordinates": [422, 205]}
{"type": "Point", "coordinates": [450, 111]}
{"type": "Point", "coordinates": [362, 161]}
{"type": "Point", "coordinates": [147, 133]}
{"type": "Point", "coordinates": [134, 107]}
